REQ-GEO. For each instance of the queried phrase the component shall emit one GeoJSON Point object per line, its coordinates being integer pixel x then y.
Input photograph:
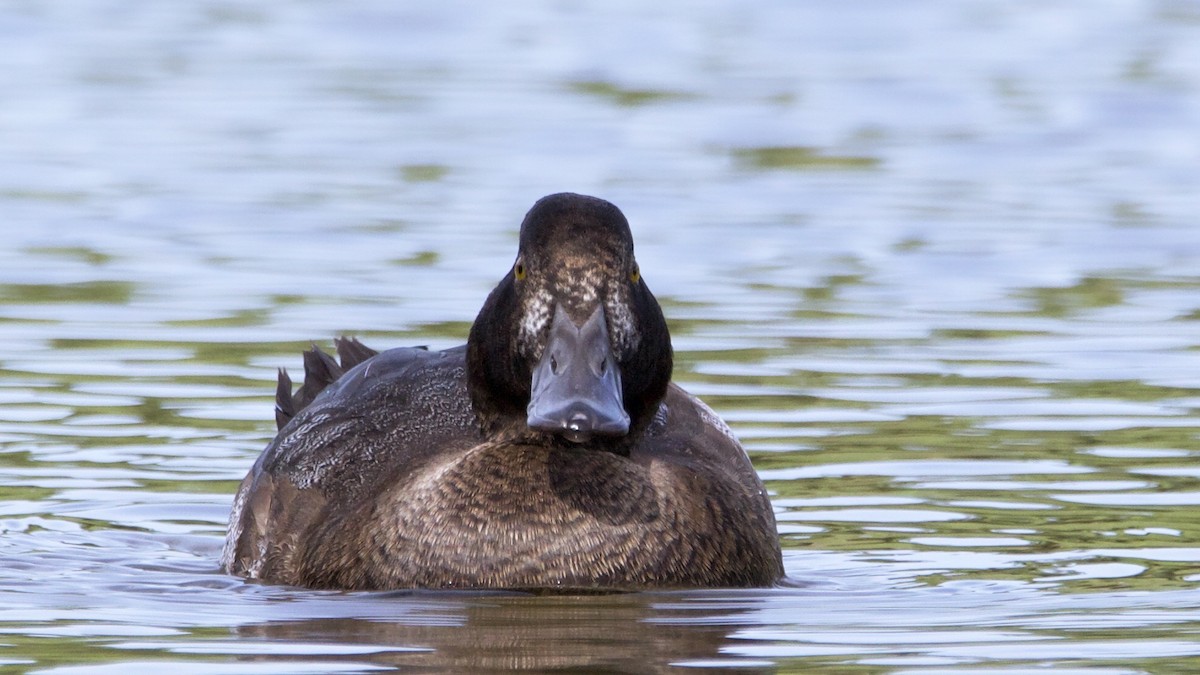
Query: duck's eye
{"type": "Point", "coordinates": [636, 275]}
{"type": "Point", "coordinates": [519, 270]}
{"type": "Point", "coordinates": [553, 364]}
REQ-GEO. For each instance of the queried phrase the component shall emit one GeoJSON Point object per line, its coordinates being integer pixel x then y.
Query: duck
{"type": "Point", "coordinates": [551, 452]}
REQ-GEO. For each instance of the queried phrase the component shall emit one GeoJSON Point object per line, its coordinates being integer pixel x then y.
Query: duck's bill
{"type": "Point", "coordinates": [576, 388]}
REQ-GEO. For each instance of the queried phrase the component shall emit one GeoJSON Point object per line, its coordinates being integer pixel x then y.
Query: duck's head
{"type": "Point", "coordinates": [571, 344]}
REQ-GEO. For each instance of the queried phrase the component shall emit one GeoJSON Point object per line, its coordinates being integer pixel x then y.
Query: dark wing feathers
{"type": "Point", "coordinates": [285, 408]}
{"type": "Point", "coordinates": [351, 352]}
{"type": "Point", "coordinates": [320, 371]}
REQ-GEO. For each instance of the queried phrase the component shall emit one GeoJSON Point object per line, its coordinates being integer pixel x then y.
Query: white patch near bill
{"type": "Point", "coordinates": [625, 336]}
{"type": "Point", "coordinates": [537, 315]}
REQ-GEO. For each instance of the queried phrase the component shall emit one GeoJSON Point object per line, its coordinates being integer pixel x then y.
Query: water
{"type": "Point", "coordinates": [936, 263]}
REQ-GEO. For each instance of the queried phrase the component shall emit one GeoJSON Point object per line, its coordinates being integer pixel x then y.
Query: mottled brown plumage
{"type": "Point", "coordinates": [412, 468]}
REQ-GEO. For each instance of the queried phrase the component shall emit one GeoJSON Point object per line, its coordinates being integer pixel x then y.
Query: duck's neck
{"type": "Point", "coordinates": [498, 379]}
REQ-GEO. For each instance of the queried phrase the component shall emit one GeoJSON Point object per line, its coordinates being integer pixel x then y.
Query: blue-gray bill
{"type": "Point", "coordinates": [576, 388]}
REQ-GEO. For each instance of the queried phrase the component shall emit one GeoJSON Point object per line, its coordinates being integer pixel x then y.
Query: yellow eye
{"type": "Point", "coordinates": [519, 270]}
{"type": "Point", "coordinates": [636, 275]}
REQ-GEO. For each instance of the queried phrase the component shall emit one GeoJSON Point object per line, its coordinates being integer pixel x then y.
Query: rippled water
{"type": "Point", "coordinates": [937, 264]}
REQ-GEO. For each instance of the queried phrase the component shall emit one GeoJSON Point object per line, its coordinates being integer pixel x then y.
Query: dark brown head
{"type": "Point", "coordinates": [571, 344]}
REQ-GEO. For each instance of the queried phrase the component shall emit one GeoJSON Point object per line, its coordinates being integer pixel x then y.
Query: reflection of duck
{"type": "Point", "coordinates": [550, 452]}
{"type": "Point", "coordinates": [499, 633]}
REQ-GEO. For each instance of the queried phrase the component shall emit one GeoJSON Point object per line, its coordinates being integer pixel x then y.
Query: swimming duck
{"type": "Point", "coordinates": [552, 451]}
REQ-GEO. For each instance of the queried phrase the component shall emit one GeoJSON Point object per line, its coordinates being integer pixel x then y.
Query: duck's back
{"type": "Point", "coordinates": [384, 481]}
{"type": "Point", "coordinates": [374, 426]}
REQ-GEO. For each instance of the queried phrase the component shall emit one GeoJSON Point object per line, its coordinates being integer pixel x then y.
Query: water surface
{"type": "Point", "coordinates": [936, 263]}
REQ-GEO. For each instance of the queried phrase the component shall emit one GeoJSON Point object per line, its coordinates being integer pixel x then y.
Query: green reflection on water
{"type": "Point", "coordinates": [97, 650]}
{"type": "Point", "coordinates": [81, 253]}
{"type": "Point", "coordinates": [423, 173]}
{"type": "Point", "coordinates": [626, 97]}
{"type": "Point", "coordinates": [1089, 293]}
{"type": "Point", "coordinates": [974, 505]}
{"type": "Point", "coordinates": [102, 292]}
{"type": "Point", "coordinates": [800, 158]}
{"type": "Point", "coordinates": [234, 319]}
{"type": "Point", "coordinates": [419, 259]}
